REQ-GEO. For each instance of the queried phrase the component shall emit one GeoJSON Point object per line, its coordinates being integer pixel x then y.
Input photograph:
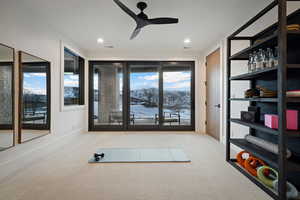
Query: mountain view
{"type": "Point", "coordinates": [144, 96]}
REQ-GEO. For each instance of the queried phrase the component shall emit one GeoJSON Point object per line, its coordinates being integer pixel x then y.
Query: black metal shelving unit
{"type": "Point", "coordinates": [286, 76]}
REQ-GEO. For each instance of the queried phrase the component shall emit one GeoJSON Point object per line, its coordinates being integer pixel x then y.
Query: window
{"type": "Point", "coordinates": [141, 95]}
{"type": "Point", "coordinates": [73, 78]}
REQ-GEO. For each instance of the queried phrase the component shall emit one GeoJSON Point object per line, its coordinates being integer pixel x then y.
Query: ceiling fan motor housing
{"type": "Point", "coordinates": [141, 5]}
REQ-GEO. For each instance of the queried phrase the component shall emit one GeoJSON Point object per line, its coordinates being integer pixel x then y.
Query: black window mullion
{"type": "Point", "coordinates": [193, 81]}
{"type": "Point", "coordinates": [126, 102]}
{"type": "Point", "coordinates": [161, 98]}
{"type": "Point", "coordinates": [91, 96]}
{"type": "Point", "coordinates": [81, 80]}
{"type": "Point", "coordinates": [48, 79]}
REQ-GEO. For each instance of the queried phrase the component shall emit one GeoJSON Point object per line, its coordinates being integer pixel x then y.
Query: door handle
{"type": "Point", "coordinates": [217, 106]}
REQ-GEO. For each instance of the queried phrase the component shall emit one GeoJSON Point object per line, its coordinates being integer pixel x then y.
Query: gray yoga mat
{"type": "Point", "coordinates": [134, 155]}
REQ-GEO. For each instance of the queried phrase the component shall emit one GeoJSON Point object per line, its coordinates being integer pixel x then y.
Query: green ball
{"type": "Point", "coordinates": [267, 180]}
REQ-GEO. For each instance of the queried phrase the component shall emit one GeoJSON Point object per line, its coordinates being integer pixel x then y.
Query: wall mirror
{"type": "Point", "coordinates": [7, 135]}
{"type": "Point", "coordinates": [34, 94]}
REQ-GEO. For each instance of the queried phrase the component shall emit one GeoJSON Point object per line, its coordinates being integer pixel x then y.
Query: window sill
{"type": "Point", "coordinates": [73, 108]}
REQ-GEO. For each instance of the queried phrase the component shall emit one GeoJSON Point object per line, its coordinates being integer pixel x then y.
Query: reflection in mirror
{"type": "Point", "coordinates": [6, 97]}
{"type": "Point", "coordinates": [34, 97]}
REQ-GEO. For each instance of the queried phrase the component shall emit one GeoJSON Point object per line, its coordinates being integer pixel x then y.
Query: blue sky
{"type": "Point", "coordinates": [172, 80]}
{"type": "Point", "coordinates": [71, 80]}
{"type": "Point", "coordinates": [140, 81]}
{"type": "Point", "coordinates": [35, 83]}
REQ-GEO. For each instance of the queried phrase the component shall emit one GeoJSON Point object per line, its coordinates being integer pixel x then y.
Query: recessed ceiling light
{"type": "Point", "coordinates": [187, 41]}
{"type": "Point", "coordinates": [100, 40]}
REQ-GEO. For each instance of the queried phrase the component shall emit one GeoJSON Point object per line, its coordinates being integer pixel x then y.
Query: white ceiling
{"type": "Point", "coordinates": [203, 21]}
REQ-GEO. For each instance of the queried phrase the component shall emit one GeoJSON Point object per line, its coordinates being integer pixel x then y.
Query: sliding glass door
{"type": "Point", "coordinates": [143, 95]}
{"type": "Point", "coordinates": [139, 95]}
{"type": "Point", "coordinates": [177, 95]}
{"type": "Point", "coordinates": [107, 95]}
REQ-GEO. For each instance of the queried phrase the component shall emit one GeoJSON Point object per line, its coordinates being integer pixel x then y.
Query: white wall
{"type": "Point", "coordinates": [23, 30]}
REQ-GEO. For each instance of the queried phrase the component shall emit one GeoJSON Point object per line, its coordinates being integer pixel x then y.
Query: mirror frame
{"type": "Point", "coordinates": [20, 99]}
{"type": "Point", "coordinates": [13, 96]}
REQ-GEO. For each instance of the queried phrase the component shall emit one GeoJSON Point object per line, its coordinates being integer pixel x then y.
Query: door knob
{"type": "Point", "coordinates": [217, 106]}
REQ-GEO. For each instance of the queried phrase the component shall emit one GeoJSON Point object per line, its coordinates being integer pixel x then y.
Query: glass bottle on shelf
{"type": "Point", "coordinates": [260, 63]}
{"type": "Point", "coordinates": [257, 61]}
{"type": "Point", "coordinates": [276, 55]}
{"type": "Point", "coordinates": [270, 58]}
{"type": "Point", "coordinates": [264, 60]}
{"type": "Point", "coordinates": [254, 61]}
{"type": "Point", "coordinates": [250, 63]}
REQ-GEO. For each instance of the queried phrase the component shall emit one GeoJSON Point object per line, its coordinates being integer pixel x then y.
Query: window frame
{"type": "Point", "coordinates": [126, 126]}
{"type": "Point", "coordinates": [82, 67]}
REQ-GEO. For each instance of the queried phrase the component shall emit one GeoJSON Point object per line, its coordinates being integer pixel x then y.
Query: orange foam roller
{"type": "Point", "coordinates": [252, 163]}
{"type": "Point", "coordinates": [240, 158]}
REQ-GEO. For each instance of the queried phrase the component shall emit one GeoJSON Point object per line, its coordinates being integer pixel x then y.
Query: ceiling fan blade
{"type": "Point", "coordinates": [135, 33]}
{"type": "Point", "coordinates": [126, 9]}
{"type": "Point", "coordinates": [163, 20]}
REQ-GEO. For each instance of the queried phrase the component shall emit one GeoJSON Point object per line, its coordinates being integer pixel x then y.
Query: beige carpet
{"type": "Point", "coordinates": [6, 139]}
{"type": "Point", "coordinates": [28, 135]}
{"type": "Point", "coordinates": [59, 171]}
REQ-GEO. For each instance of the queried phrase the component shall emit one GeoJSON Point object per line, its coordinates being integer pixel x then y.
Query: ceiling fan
{"type": "Point", "coordinates": [142, 19]}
